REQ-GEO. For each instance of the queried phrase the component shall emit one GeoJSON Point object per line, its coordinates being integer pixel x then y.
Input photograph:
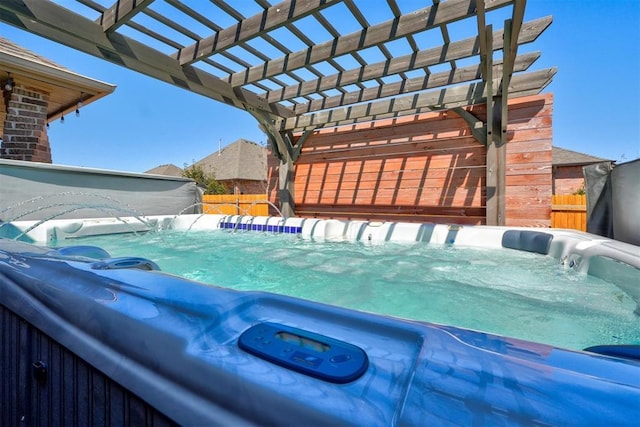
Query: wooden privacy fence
{"type": "Point", "coordinates": [569, 211]}
{"type": "Point", "coordinates": [236, 204]}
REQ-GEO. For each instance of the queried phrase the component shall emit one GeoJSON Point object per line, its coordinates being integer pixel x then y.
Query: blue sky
{"type": "Point", "coordinates": [146, 123]}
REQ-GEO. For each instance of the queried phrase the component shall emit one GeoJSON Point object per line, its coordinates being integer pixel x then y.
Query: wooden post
{"type": "Point", "coordinates": [282, 147]}
{"type": "Point", "coordinates": [492, 154]}
{"type": "Point", "coordinates": [285, 190]}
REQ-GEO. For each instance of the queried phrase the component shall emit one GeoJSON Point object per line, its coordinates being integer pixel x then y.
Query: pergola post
{"type": "Point", "coordinates": [288, 154]}
{"type": "Point", "coordinates": [492, 162]}
{"type": "Point", "coordinates": [286, 187]}
{"type": "Point", "coordinates": [284, 149]}
{"type": "Point", "coordinates": [497, 120]}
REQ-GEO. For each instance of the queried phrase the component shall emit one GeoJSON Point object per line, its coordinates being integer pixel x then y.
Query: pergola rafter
{"type": "Point", "coordinates": [416, 84]}
{"type": "Point", "coordinates": [442, 99]}
{"type": "Point", "coordinates": [246, 29]}
{"type": "Point", "coordinates": [405, 25]}
{"type": "Point", "coordinates": [295, 67]}
{"type": "Point", "coordinates": [434, 56]}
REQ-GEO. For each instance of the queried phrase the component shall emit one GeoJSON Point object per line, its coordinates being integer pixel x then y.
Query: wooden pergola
{"type": "Point", "coordinates": [301, 65]}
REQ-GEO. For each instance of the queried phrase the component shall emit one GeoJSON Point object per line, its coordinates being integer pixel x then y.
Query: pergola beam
{"type": "Point", "coordinates": [450, 97]}
{"type": "Point", "coordinates": [246, 29]}
{"type": "Point", "coordinates": [120, 12]}
{"type": "Point", "coordinates": [442, 79]}
{"type": "Point", "coordinates": [482, 39]}
{"type": "Point", "coordinates": [453, 51]}
{"type": "Point", "coordinates": [420, 20]}
{"type": "Point", "coordinates": [510, 44]}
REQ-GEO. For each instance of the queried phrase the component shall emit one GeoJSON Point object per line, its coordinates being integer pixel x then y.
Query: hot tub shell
{"type": "Point", "coordinates": [88, 340]}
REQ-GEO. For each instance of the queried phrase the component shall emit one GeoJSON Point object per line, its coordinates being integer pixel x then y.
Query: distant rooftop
{"type": "Point", "coordinates": [167, 170]}
{"type": "Point", "coordinates": [564, 157]}
{"type": "Point", "coordinates": [241, 159]}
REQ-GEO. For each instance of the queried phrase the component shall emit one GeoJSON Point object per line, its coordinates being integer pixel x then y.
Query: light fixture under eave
{"type": "Point", "coordinates": [62, 119]}
{"type": "Point", "coordinates": [9, 84]}
{"type": "Point", "coordinates": [79, 105]}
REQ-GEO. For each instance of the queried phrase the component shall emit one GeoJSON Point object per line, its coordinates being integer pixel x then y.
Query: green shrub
{"type": "Point", "coordinates": [580, 191]}
{"type": "Point", "coordinates": [207, 182]}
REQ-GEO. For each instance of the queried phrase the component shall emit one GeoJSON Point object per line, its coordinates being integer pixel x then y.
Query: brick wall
{"type": "Point", "coordinates": [245, 186]}
{"type": "Point", "coordinates": [567, 179]}
{"type": "Point", "coordinates": [24, 131]}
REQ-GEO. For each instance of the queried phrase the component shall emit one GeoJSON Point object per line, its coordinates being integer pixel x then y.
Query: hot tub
{"type": "Point", "coordinates": [78, 323]}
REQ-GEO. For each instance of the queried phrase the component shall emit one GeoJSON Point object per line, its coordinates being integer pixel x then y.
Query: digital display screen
{"type": "Point", "coordinates": [302, 342]}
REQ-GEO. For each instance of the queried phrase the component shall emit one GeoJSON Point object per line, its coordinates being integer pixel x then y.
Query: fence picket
{"type": "Point", "coordinates": [236, 204]}
{"type": "Point", "coordinates": [569, 211]}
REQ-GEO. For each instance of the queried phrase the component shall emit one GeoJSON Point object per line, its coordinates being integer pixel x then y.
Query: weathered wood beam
{"type": "Point", "coordinates": [451, 97]}
{"type": "Point", "coordinates": [510, 46]}
{"type": "Point", "coordinates": [477, 126]}
{"type": "Point", "coordinates": [425, 58]}
{"type": "Point", "coordinates": [58, 24]}
{"type": "Point", "coordinates": [271, 19]}
{"type": "Point", "coordinates": [281, 143]}
{"type": "Point", "coordinates": [120, 13]}
{"type": "Point", "coordinates": [134, 25]}
{"type": "Point", "coordinates": [435, 80]}
{"type": "Point", "coordinates": [482, 38]}
{"type": "Point", "coordinates": [408, 112]}
{"type": "Point", "coordinates": [404, 113]}
{"type": "Point", "coordinates": [297, 149]}
{"type": "Point", "coordinates": [420, 20]}
{"type": "Point", "coordinates": [170, 23]}
{"type": "Point", "coordinates": [193, 14]}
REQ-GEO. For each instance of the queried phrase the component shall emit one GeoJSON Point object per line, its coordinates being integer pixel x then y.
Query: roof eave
{"type": "Point", "coordinates": [91, 89]}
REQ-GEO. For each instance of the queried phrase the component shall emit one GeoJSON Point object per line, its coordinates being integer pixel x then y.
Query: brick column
{"type": "Point", "coordinates": [24, 134]}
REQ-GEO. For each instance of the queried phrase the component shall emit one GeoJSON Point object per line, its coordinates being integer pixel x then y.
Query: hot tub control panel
{"type": "Point", "coordinates": [312, 354]}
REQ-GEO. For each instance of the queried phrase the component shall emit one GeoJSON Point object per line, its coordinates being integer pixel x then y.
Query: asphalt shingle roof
{"type": "Point", "coordinates": [168, 170]}
{"type": "Point", "coordinates": [10, 48]}
{"type": "Point", "coordinates": [564, 157]}
{"type": "Point", "coordinates": [241, 159]}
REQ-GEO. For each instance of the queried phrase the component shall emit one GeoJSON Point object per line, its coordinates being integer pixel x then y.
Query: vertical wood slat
{"type": "Point", "coordinates": [569, 211]}
{"type": "Point", "coordinates": [73, 393]}
{"type": "Point", "coordinates": [236, 204]}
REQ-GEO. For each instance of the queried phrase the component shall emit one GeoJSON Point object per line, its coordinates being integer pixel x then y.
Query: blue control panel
{"type": "Point", "coordinates": [312, 354]}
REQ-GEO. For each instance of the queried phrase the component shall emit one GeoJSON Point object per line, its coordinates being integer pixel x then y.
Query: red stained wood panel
{"type": "Point", "coordinates": [426, 167]}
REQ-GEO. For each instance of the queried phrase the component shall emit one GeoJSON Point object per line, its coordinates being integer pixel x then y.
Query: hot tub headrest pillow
{"type": "Point", "coordinates": [530, 241]}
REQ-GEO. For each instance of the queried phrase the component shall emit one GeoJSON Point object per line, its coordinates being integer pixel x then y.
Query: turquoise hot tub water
{"type": "Point", "coordinates": [501, 291]}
